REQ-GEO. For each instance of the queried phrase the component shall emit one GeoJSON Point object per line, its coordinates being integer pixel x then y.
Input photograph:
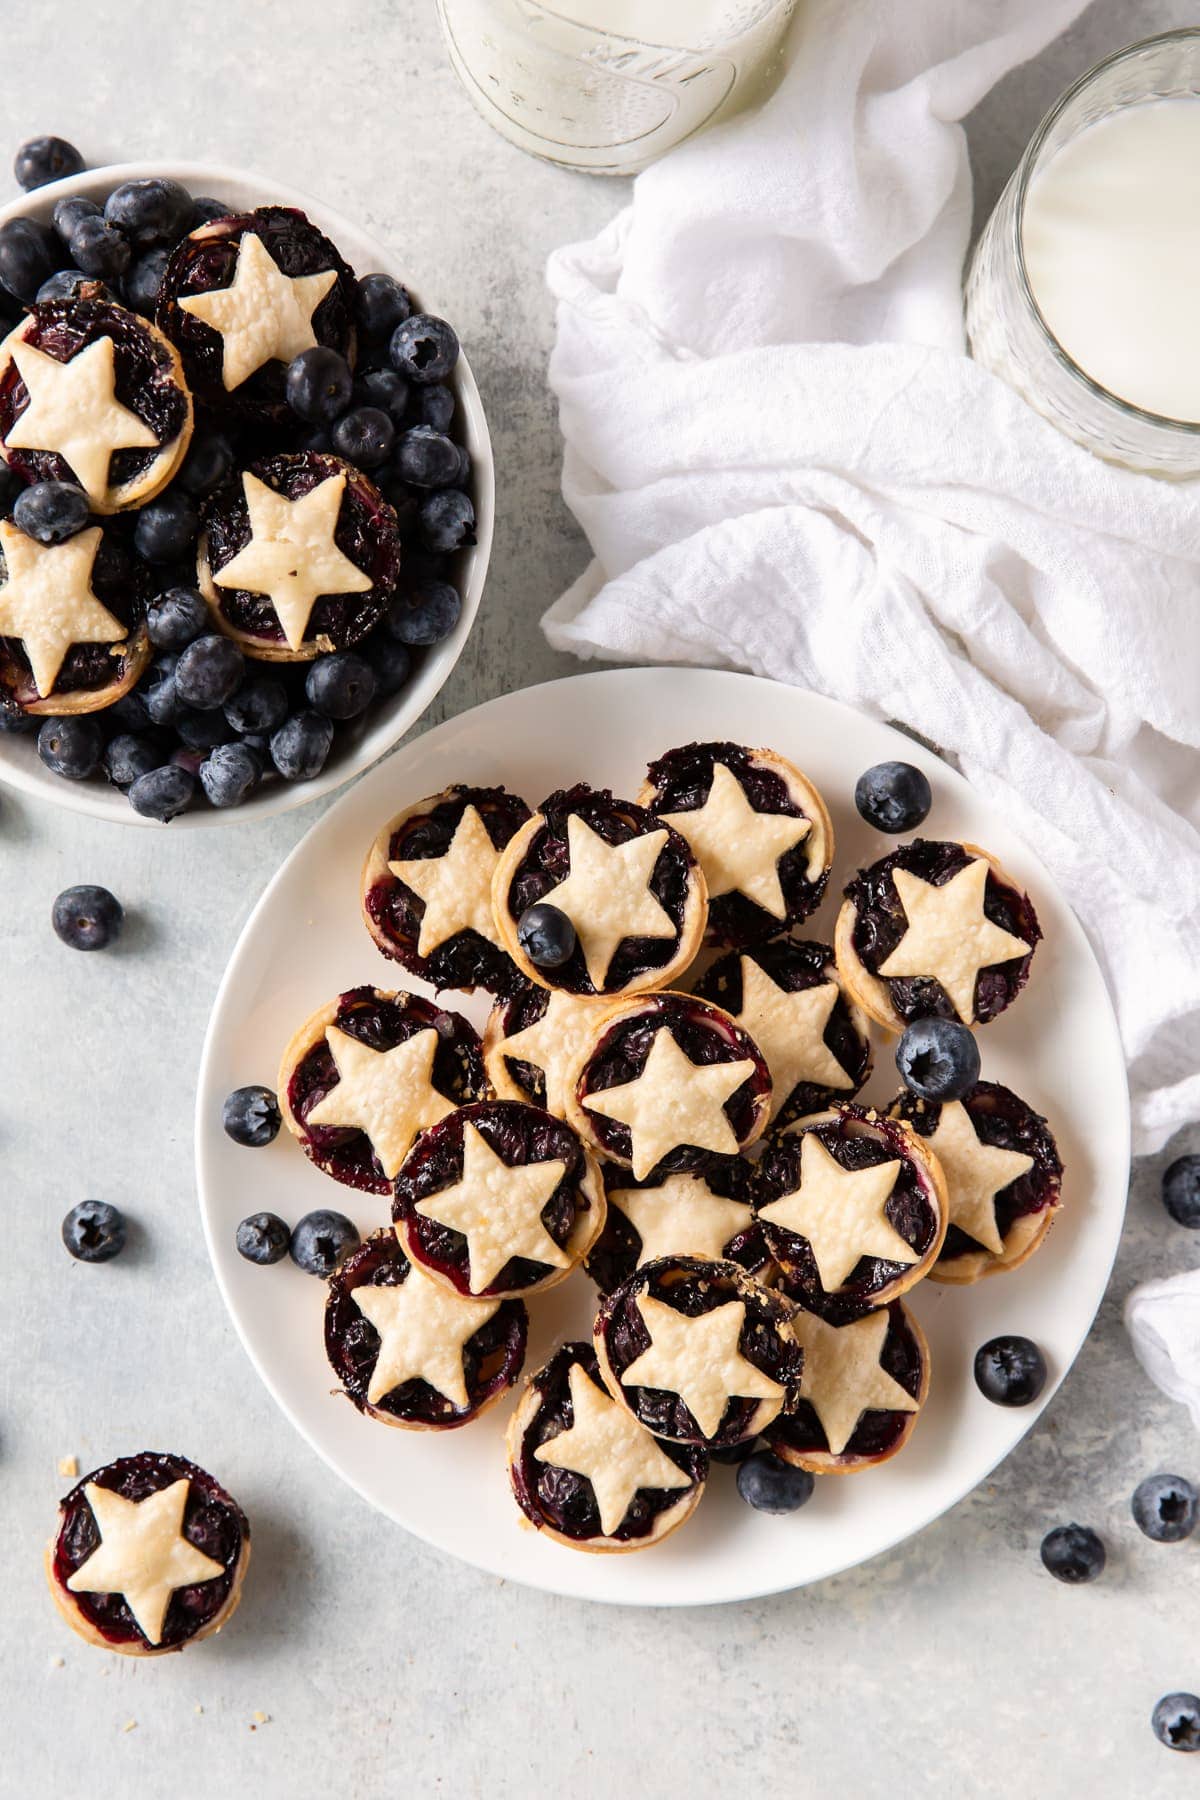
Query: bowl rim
{"type": "Point", "coordinates": [19, 765]}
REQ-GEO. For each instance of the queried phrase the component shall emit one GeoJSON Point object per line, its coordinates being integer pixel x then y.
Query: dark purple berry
{"type": "Point", "coordinates": [424, 349]}
{"type": "Point", "coordinates": [319, 384]}
{"type": "Point", "coordinates": [380, 305]}
{"type": "Point", "coordinates": [44, 159]}
{"type": "Point", "coordinates": [341, 686]}
{"type": "Point", "coordinates": [163, 794]}
{"type": "Point", "coordinates": [447, 521]}
{"type": "Point", "coordinates": [87, 917]}
{"type": "Point", "coordinates": [51, 511]}
{"type": "Point", "coordinates": [71, 747]}
{"type": "Point", "coordinates": [364, 436]}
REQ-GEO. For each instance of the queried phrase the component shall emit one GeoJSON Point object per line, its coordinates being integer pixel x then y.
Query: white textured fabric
{"type": "Point", "coordinates": [784, 462]}
{"type": "Point", "coordinates": [1163, 1321]}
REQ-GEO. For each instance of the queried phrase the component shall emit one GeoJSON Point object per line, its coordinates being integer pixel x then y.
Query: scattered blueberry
{"type": "Point", "coordinates": [938, 1059]}
{"type": "Point", "coordinates": [432, 406]}
{"type": "Point", "coordinates": [150, 211]}
{"type": "Point", "coordinates": [94, 1232]}
{"type": "Point", "coordinates": [893, 796]}
{"type": "Point", "coordinates": [447, 521]}
{"type": "Point", "coordinates": [390, 661]}
{"type": "Point", "coordinates": [1181, 1191]}
{"type": "Point", "coordinates": [208, 461]}
{"type": "Point", "coordinates": [263, 1238]}
{"type": "Point", "coordinates": [203, 728]}
{"type": "Point", "coordinates": [64, 284]}
{"type": "Point", "coordinates": [143, 280]}
{"type": "Point", "coordinates": [44, 159]}
{"type": "Point", "coordinates": [770, 1485]}
{"type": "Point", "coordinates": [384, 389]}
{"type": "Point", "coordinates": [127, 756]}
{"type": "Point", "coordinates": [166, 528]}
{"type": "Point", "coordinates": [426, 614]}
{"type": "Point", "coordinates": [176, 618]}
{"type": "Point", "coordinates": [426, 458]}
{"type": "Point", "coordinates": [69, 210]}
{"type": "Point", "coordinates": [546, 935]}
{"type": "Point", "coordinates": [258, 705]}
{"type": "Point", "coordinates": [230, 775]}
{"type": "Point", "coordinates": [71, 747]}
{"type": "Point", "coordinates": [364, 436]}
{"type": "Point", "coordinates": [341, 686]}
{"type": "Point", "coordinates": [163, 704]}
{"type": "Point", "coordinates": [1073, 1553]}
{"type": "Point", "coordinates": [210, 671]}
{"type": "Point", "coordinates": [1175, 1721]}
{"type": "Point", "coordinates": [250, 1116]}
{"type": "Point", "coordinates": [87, 917]}
{"type": "Point", "coordinates": [162, 794]}
{"type": "Point", "coordinates": [1164, 1507]}
{"type": "Point", "coordinates": [51, 511]}
{"type": "Point", "coordinates": [321, 1240]}
{"type": "Point", "coordinates": [300, 748]}
{"type": "Point", "coordinates": [205, 209]}
{"type": "Point", "coordinates": [380, 305]}
{"type": "Point", "coordinates": [98, 249]}
{"type": "Point", "coordinates": [424, 349]}
{"type": "Point", "coordinates": [28, 254]}
{"type": "Point", "coordinates": [319, 385]}
{"type": "Point", "coordinates": [1011, 1371]}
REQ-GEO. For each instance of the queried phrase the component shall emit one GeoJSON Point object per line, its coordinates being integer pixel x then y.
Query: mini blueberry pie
{"type": "Point", "coordinates": [149, 1556]}
{"type": "Point", "coordinates": [366, 1073]}
{"type": "Point", "coordinates": [427, 887]}
{"type": "Point", "coordinates": [630, 886]}
{"type": "Point", "coordinates": [72, 621]}
{"type": "Point", "coordinates": [853, 1207]}
{"type": "Point", "coordinates": [534, 1041]}
{"type": "Point", "coordinates": [787, 996]}
{"type": "Point", "coordinates": [92, 394]}
{"type": "Point", "coordinates": [587, 1474]}
{"type": "Point", "coordinates": [410, 1353]}
{"type": "Point", "coordinates": [299, 556]}
{"type": "Point", "coordinates": [498, 1199]}
{"type": "Point", "coordinates": [707, 1216]}
{"type": "Point", "coordinates": [863, 1384]}
{"type": "Point", "coordinates": [935, 929]}
{"type": "Point", "coordinates": [243, 295]}
{"type": "Point", "coordinates": [1003, 1177]}
{"type": "Point", "coordinates": [759, 827]}
{"type": "Point", "coordinates": [669, 1082]}
{"type": "Point", "coordinates": [698, 1352]}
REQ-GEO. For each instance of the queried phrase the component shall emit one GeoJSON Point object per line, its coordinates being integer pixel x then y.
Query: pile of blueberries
{"type": "Point", "coordinates": [204, 720]}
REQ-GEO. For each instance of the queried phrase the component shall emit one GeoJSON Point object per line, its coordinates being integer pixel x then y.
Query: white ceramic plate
{"type": "Point", "coordinates": [386, 722]}
{"type": "Point", "coordinates": [305, 943]}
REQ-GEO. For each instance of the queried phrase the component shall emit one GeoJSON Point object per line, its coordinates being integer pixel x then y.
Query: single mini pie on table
{"type": "Point", "coordinates": [863, 1384]}
{"type": "Point", "coordinates": [759, 827]}
{"type": "Point", "coordinates": [935, 928]}
{"type": "Point", "coordinates": [299, 555]}
{"type": "Point", "coordinates": [410, 1353]}
{"type": "Point", "coordinates": [149, 1556]}
{"type": "Point", "coordinates": [534, 1041]}
{"type": "Point", "coordinates": [816, 1040]}
{"type": "Point", "coordinates": [242, 296]}
{"type": "Point", "coordinates": [629, 884]}
{"type": "Point", "coordinates": [668, 1082]}
{"type": "Point", "coordinates": [427, 887]}
{"type": "Point", "coordinates": [92, 394]}
{"type": "Point", "coordinates": [701, 1215]}
{"type": "Point", "coordinates": [497, 1199]}
{"type": "Point", "coordinates": [368, 1072]}
{"type": "Point", "coordinates": [698, 1352]}
{"type": "Point", "coordinates": [72, 621]}
{"type": "Point", "coordinates": [1003, 1177]}
{"type": "Point", "coordinates": [585, 1473]}
{"type": "Point", "coordinates": [854, 1209]}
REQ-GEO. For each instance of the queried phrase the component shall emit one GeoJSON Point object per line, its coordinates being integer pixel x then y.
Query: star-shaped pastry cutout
{"type": "Point", "coordinates": [841, 1213]}
{"type": "Point", "coordinates": [456, 886]}
{"type": "Point", "coordinates": [975, 1173]}
{"type": "Point", "coordinates": [949, 936]}
{"type": "Point", "coordinates": [47, 600]}
{"type": "Point", "coordinates": [554, 1044]}
{"type": "Point", "coordinates": [291, 556]}
{"type": "Point", "coordinates": [700, 1360]}
{"type": "Point", "coordinates": [842, 1376]}
{"type": "Point", "coordinates": [74, 411]}
{"type": "Point", "coordinates": [607, 894]}
{"type": "Point", "coordinates": [423, 1330]}
{"type": "Point", "coordinates": [673, 1101]}
{"type": "Point", "coordinates": [610, 1449]}
{"type": "Point", "coordinates": [682, 1217]}
{"type": "Point", "coordinates": [389, 1094]}
{"type": "Point", "coordinates": [263, 315]}
{"type": "Point", "coordinates": [789, 1029]}
{"type": "Point", "coordinates": [498, 1209]}
{"type": "Point", "coordinates": [142, 1554]}
{"type": "Point", "coordinates": [738, 848]}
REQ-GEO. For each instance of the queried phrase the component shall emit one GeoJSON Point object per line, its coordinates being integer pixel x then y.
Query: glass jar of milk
{"type": "Point", "coordinates": [608, 85]}
{"type": "Point", "coordinates": [1082, 292]}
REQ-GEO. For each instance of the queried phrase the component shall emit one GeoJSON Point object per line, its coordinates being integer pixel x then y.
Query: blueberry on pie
{"type": "Point", "coordinates": [498, 1199]}
{"type": "Point", "coordinates": [863, 1384]}
{"type": "Point", "coordinates": [366, 1073]}
{"type": "Point", "coordinates": [629, 885]}
{"type": "Point", "coordinates": [299, 555]}
{"type": "Point", "coordinates": [759, 827]}
{"type": "Point", "coordinates": [1003, 1177]}
{"type": "Point", "coordinates": [94, 395]}
{"type": "Point", "coordinates": [410, 1353]}
{"type": "Point", "coordinates": [587, 1474]}
{"type": "Point", "coordinates": [787, 996]}
{"type": "Point", "coordinates": [702, 1215]}
{"type": "Point", "coordinates": [534, 1041]}
{"type": "Point", "coordinates": [72, 621]}
{"type": "Point", "coordinates": [937, 929]}
{"type": "Point", "coordinates": [427, 887]}
{"type": "Point", "coordinates": [150, 1555]}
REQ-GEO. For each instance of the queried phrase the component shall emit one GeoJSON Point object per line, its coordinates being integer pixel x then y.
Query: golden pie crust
{"type": "Point", "coordinates": [71, 1611]}
{"type": "Point", "coordinates": [822, 1462]}
{"type": "Point", "coordinates": [1027, 1234]}
{"type": "Point", "coordinates": [134, 660]}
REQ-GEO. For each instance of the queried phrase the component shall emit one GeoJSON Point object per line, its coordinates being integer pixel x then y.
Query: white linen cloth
{"type": "Point", "coordinates": [784, 462]}
{"type": "Point", "coordinates": [1163, 1321]}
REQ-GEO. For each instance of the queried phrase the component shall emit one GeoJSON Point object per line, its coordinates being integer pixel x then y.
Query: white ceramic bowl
{"type": "Point", "coordinates": [388, 720]}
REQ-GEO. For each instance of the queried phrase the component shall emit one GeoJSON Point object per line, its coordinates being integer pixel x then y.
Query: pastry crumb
{"type": "Point", "coordinates": [68, 1465]}
{"type": "Point", "coordinates": [58, 1662]}
{"type": "Point", "coordinates": [199, 1710]}
{"type": "Point", "coordinates": [262, 1718]}
{"type": "Point", "coordinates": [129, 1725]}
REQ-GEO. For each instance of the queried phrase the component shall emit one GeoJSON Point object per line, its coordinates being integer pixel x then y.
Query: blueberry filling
{"type": "Point", "coordinates": [523, 1007]}
{"type": "Point", "coordinates": [120, 582]}
{"type": "Point", "coordinates": [614, 1256]}
{"type": "Point", "coordinates": [877, 1432]}
{"type": "Point", "coordinates": [212, 1521]}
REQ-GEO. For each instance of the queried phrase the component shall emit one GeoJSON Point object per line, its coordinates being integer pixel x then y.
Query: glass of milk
{"type": "Point", "coordinates": [608, 85]}
{"type": "Point", "coordinates": [1084, 290]}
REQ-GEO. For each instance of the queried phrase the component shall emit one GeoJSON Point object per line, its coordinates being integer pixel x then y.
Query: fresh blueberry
{"type": "Point", "coordinates": [99, 249]}
{"type": "Point", "coordinates": [380, 305]}
{"type": "Point", "coordinates": [938, 1059]}
{"type": "Point", "coordinates": [1175, 1721]}
{"type": "Point", "coordinates": [263, 1238]}
{"type": "Point", "coordinates": [423, 349]}
{"type": "Point", "coordinates": [893, 796]}
{"type": "Point", "coordinates": [425, 614]}
{"type": "Point", "coordinates": [364, 436]}
{"type": "Point", "coordinates": [1010, 1370]}
{"type": "Point", "coordinates": [71, 747]}
{"type": "Point", "coordinates": [258, 705]}
{"type": "Point", "coordinates": [319, 385]}
{"type": "Point", "coordinates": [128, 756]}
{"type": "Point", "coordinates": [162, 794]}
{"type": "Point", "coordinates": [426, 459]}
{"type": "Point", "coordinates": [94, 1232]}
{"type": "Point", "coordinates": [432, 406]}
{"type": "Point", "coordinates": [69, 210]}
{"type": "Point", "coordinates": [163, 704]}
{"type": "Point", "coordinates": [208, 461]}
{"type": "Point", "coordinates": [1073, 1553]}
{"type": "Point", "coordinates": [166, 529]}
{"type": "Point", "coordinates": [390, 660]}
{"type": "Point", "coordinates": [463, 478]}
{"type": "Point", "coordinates": [318, 443]}
{"type": "Point", "coordinates": [546, 935]}
{"type": "Point", "coordinates": [773, 1486]}
{"type": "Point", "coordinates": [204, 728]}
{"type": "Point", "coordinates": [321, 1240]}
{"type": "Point", "coordinates": [150, 211]}
{"type": "Point", "coordinates": [300, 748]}
{"type": "Point", "coordinates": [251, 1117]}
{"type": "Point", "coordinates": [230, 775]}
{"type": "Point", "coordinates": [44, 159]}
{"type": "Point", "coordinates": [258, 743]}
{"type": "Point", "coordinates": [210, 671]}
{"type": "Point", "coordinates": [384, 389]}
{"type": "Point", "coordinates": [205, 209]}
{"type": "Point", "coordinates": [1164, 1507]}
{"type": "Point", "coordinates": [87, 917]}
{"type": "Point", "coordinates": [64, 284]}
{"type": "Point", "coordinates": [340, 686]}
{"type": "Point", "coordinates": [1181, 1191]}
{"type": "Point", "coordinates": [28, 254]}
{"type": "Point", "coordinates": [176, 618]}
{"type": "Point", "coordinates": [143, 280]}
{"type": "Point", "coordinates": [51, 511]}
{"type": "Point", "coordinates": [447, 521]}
